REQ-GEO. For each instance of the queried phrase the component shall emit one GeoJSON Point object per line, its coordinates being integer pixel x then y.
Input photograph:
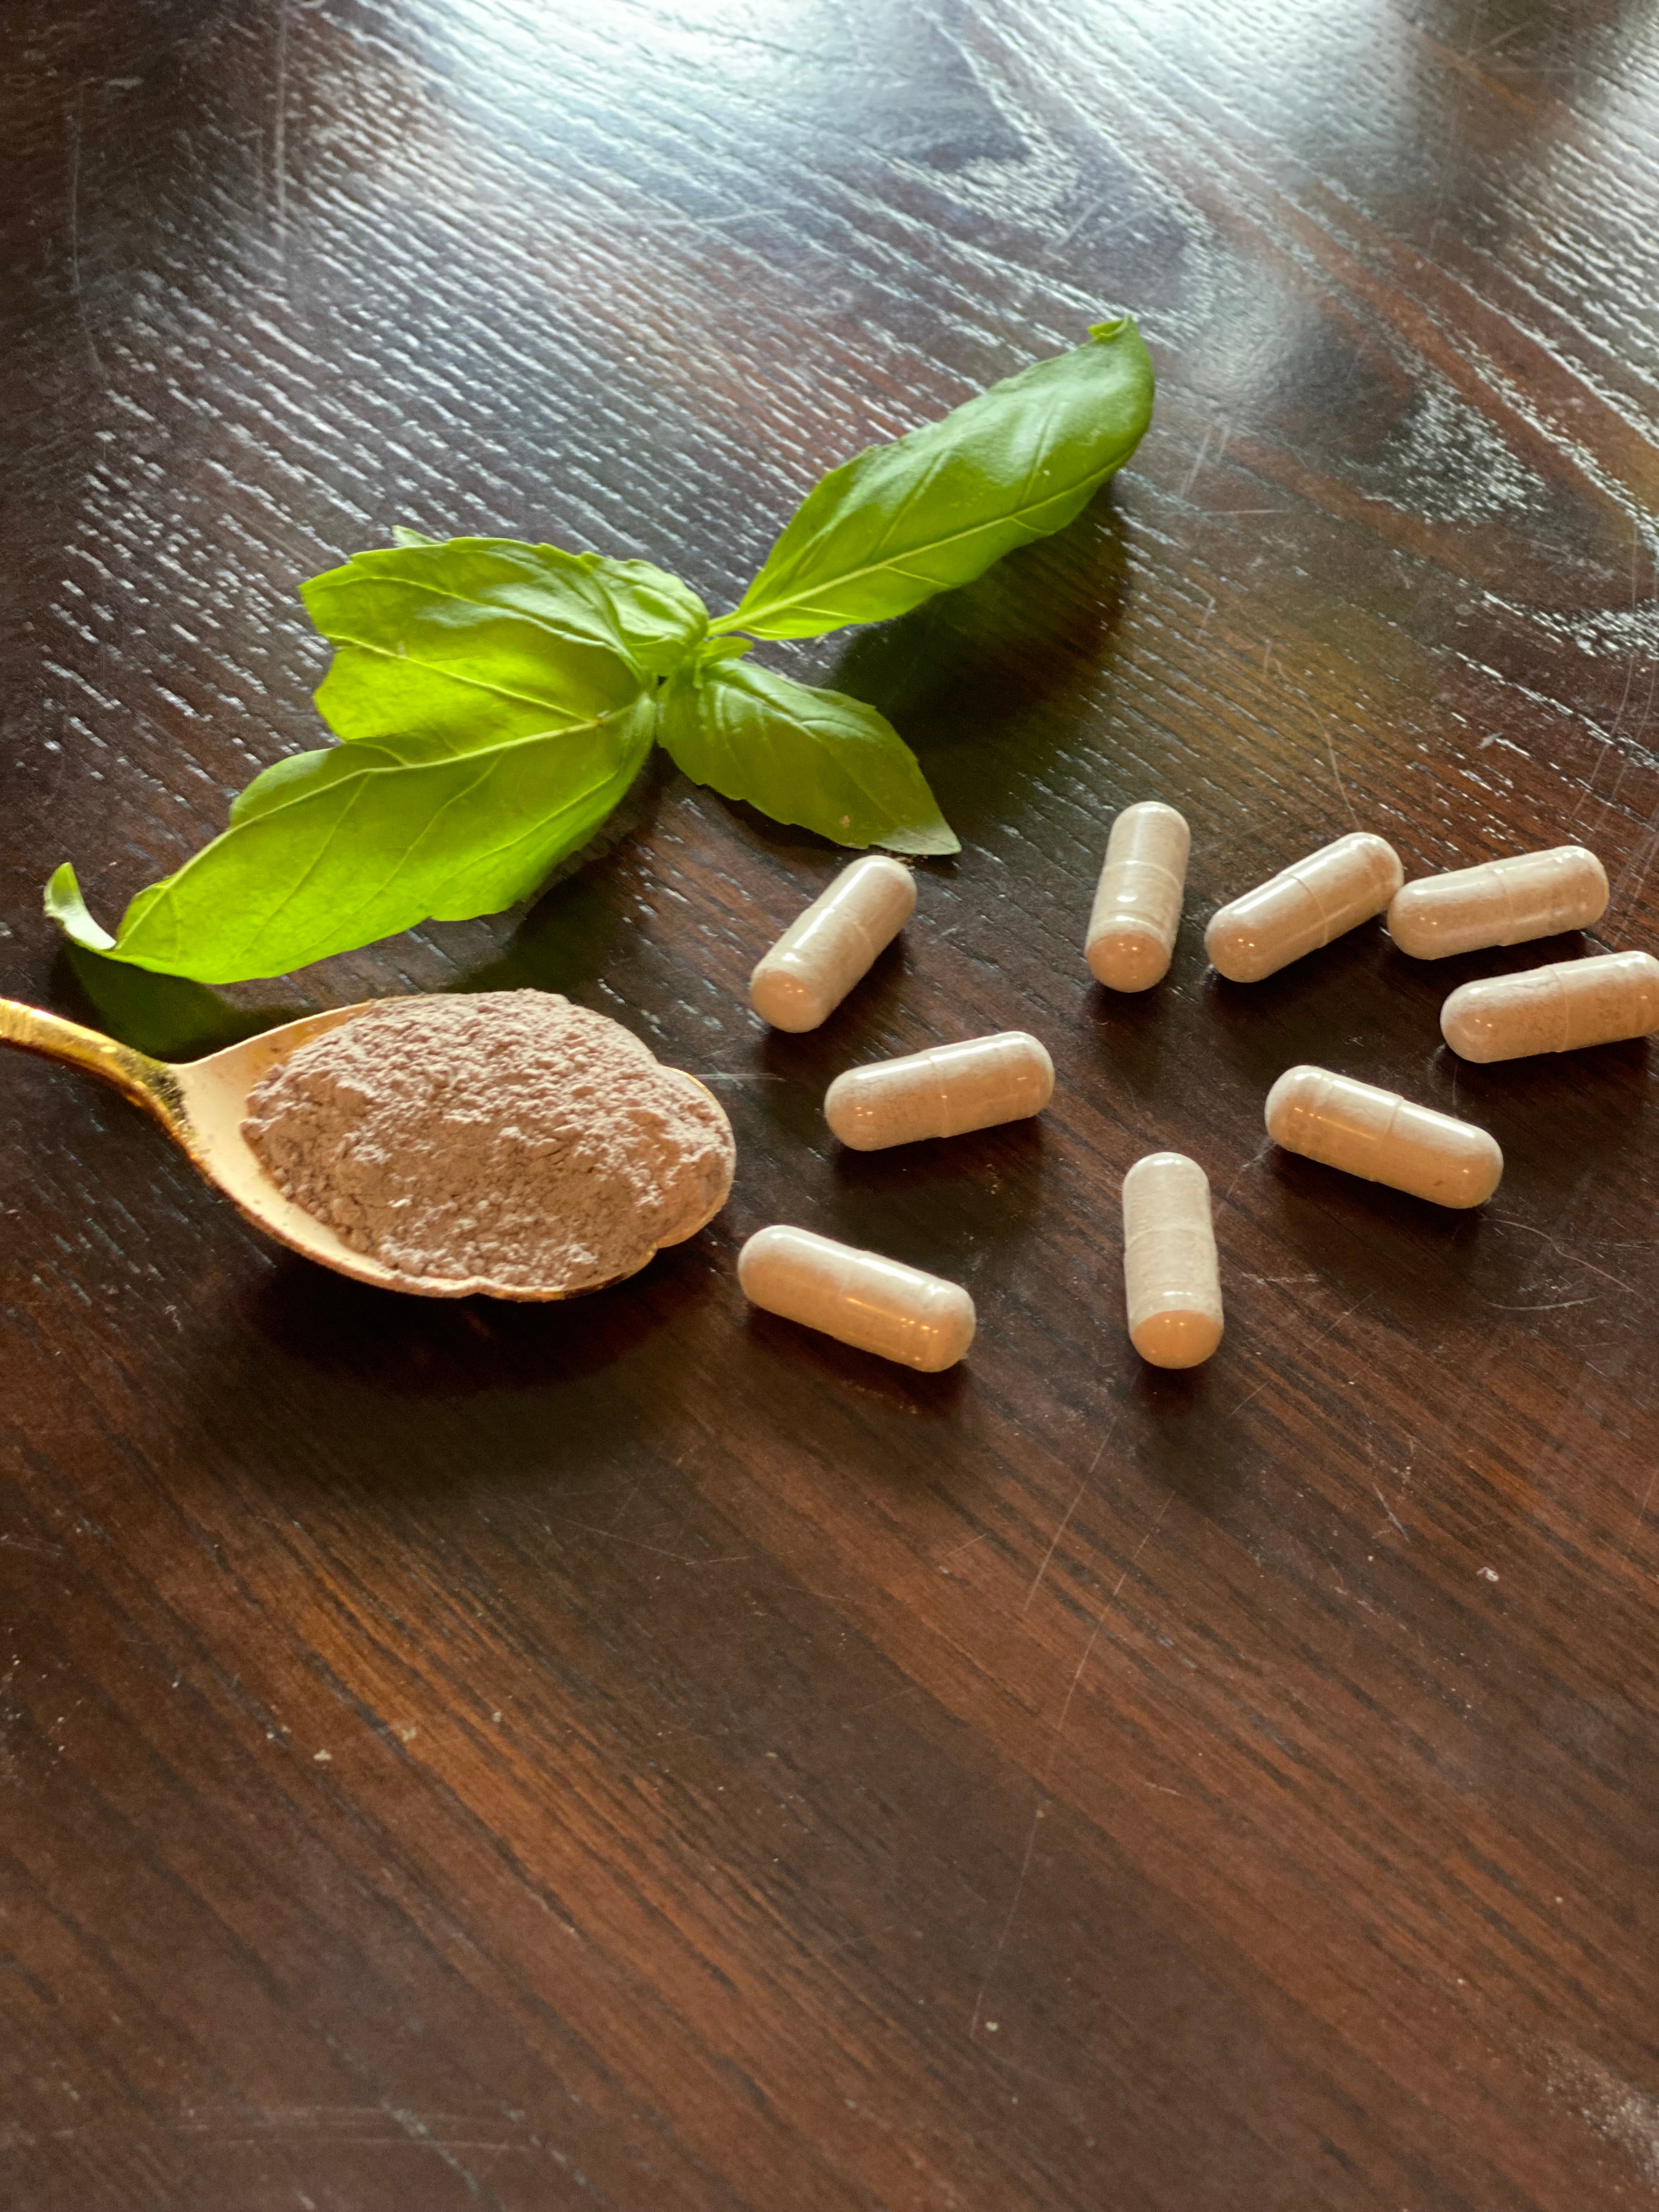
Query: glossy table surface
{"type": "Point", "coordinates": [636, 1755]}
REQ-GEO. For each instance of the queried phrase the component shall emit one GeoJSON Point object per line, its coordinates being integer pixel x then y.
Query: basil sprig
{"type": "Point", "coordinates": [494, 700]}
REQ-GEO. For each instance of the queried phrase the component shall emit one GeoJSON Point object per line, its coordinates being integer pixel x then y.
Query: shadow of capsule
{"type": "Point", "coordinates": [1177, 1422]}
{"type": "Point", "coordinates": [1555, 1115]}
{"type": "Point", "coordinates": [1369, 1241]}
{"type": "Point", "coordinates": [951, 1205]}
{"type": "Point", "coordinates": [1334, 1008]}
{"type": "Point", "coordinates": [808, 1354]}
{"type": "Point", "coordinates": [1132, 1031]}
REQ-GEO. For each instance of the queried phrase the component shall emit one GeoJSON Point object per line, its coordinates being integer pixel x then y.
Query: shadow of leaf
{"type": "Point", "coordinates": [166, 1016]}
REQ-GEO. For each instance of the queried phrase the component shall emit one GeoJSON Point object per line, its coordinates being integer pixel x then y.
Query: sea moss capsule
{"type": "Point", "coordinates": [943, 1092]}
{"type": "Point", "coordinates": [861, 1299]}
{"type": "Point", "coordinates": [1500, 902]}
{"type": "Point", "coordinates": [1560, 1008]}
{"type": "Point", "coordinates": [825, 951]}
{"type": "Point", "coordinates": [1382, 1137]}
{"type": "Point", "coordinates": [1304, 906]}
{"type": "Point", "coordinates": [1137, 908]}
{"type": "Point", "coordinates": [1171, 1274]}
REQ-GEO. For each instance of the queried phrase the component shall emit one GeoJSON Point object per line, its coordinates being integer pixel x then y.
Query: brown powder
{"type": "Point", "coordinates": [506, 1138]}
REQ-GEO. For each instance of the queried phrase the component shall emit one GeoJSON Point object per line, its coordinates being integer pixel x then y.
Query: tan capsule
{"type": "Point", "coordinates": [1502, 903]}
{"type": "Point", "coordinates": [861, 1298]}
{"type": "Point", "coordinates": [943, 1092]}
{"type": "Point", "coordinates": [1170, 1269]}
{"type": "Point", "coordinates": [1381, 1137]}
{"type": "Point", "coordinates": [1137, 908]}
{"type": "Point", "coordinates": [1554, 1009]}
{"type": "Point", "coordinates": [1304, 906]}
{"type": "Point", "coordinates": [825, 951]}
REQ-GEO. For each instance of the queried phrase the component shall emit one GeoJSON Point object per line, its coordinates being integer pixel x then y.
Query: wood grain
{"type": "Point", "coordinates": [639, 1755]}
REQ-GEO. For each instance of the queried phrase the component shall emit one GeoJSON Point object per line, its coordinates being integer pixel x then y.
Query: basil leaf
{"type": "Point", "coordinates": [329, 850]}
{"type": "Point", "coordinates": [470, 643]}
{"type": "Point", "coordinates": [937, 507]}
{"type": "Point", "coordinates": [816, 757]}
{"type": "Point", "coordinates": [65, 906]}
{"type": "Point", "coordinates": [660, 619]}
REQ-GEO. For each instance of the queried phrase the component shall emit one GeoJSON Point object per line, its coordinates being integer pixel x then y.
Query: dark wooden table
{"type": "Point", "coordinates": [639, 1755]}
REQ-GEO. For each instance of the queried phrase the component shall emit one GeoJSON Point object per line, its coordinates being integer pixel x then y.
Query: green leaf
{"type": "Point", "coordinates": [936, 507]}
{"type": "Point", "coordinates": [402, 535]}
{"type": "Point", "coordinates": [65, 906]}
{"type": "Point", "coordinates": [470, 643]}
{"type": "Point", "coordinates": [816, 757]}
{"type": "Point", "coordinates": [661, 620]}
{"type": "Point", "coordinates": [329, 850]}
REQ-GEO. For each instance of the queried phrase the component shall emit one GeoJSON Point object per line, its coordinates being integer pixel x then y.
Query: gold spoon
{"type": "Point", "coordinates": [202, 1105]}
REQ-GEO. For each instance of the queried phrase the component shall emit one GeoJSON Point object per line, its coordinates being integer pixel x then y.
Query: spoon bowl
{"type": "Point", "coordinates": [202, 1104]}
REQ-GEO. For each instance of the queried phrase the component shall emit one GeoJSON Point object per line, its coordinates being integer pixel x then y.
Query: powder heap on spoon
{"type": "Point", "coordinates": [506, 1138]}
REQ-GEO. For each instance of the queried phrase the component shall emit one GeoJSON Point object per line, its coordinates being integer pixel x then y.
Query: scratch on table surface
{"type": "Point", "coordinates": [1064, 1522]}
{"type": "Point", "coordinates": [622, 1511]}
{"type": "Point", "coordinates": [1560, 1306]}
{"type": "Point", "coordinates": [363, 2126]}
{"type": "Point", "coordinates": [700, 223]}
{"type": "Point", "coordinates": [1641, 1516]}
{"type": "Point", "coordinates": [612, 1536]}
{"type": "Point", "coordinates": [1008, 1922]}
{"type": "Point", "coordinates": [1100, 1622]}
{"type": "Point", "coordinates": [1198, 461]}
{"type": "Point", "coordinates": [966, 1543]}
{"type": "Point", "coordinates": [1317, 1341]}
{"type": "Point", "coordinates": [1641, 863]}
{"type": "Point", "coordinates": [1054, 1752]}
{"type": "Point", "coordinates": [1611, 738]}
{"type": "Point", "coordinates": [1118, 222]}
{"type": "Point", "coordinates": [1512, 1221]}
{"type": "Point", "coordinates": [1392, 1515]}
{"type": "Point", "coordinates": [1065, 1519]}
{"type": "Point", "coordinates": [1254, 1161]}
{"type": "Point", "coordinates": [1342, 789]}
{"type": "Point", "coordinates": [279, 138]}
{"type": "Point", "coordinates": [75, 116]}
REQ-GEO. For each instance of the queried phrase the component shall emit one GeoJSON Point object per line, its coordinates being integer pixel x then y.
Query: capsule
{"type": "Point", "coordinates": [1304, 906]}
{"type": "Point", "coordinates": [1137, 908]}
{"type": "Point", "coordinates": [1169, 1270]}
{"type": "Point", "coordinates": [942, 1092]}
{"type": "Point", "coordinates": [861, 1299]}
{"type": "Point", "coordinates": [1383, 1138]}
{"type": "Point", "coordinates": [1555, 1009]}
{"type": "Point", "coordinates": [825, 951]}
{"type": "Point", "coordinates": [1502, 903]}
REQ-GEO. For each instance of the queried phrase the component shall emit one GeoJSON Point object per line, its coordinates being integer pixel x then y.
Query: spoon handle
{"type": "Point", "coordinates": [148, 1083]}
